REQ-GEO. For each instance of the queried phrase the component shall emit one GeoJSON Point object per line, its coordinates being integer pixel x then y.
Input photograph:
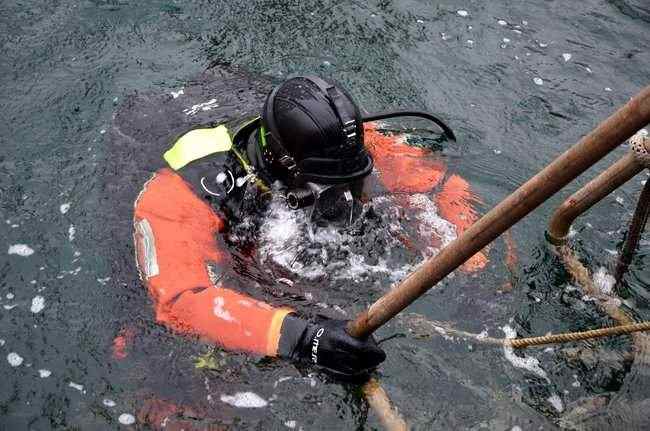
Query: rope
{"type": "Point", "coordinates": [568, 337]}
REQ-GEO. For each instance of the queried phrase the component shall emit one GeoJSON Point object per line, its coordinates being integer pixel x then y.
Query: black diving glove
{"type": "Point", "coordinates": [326, 343]}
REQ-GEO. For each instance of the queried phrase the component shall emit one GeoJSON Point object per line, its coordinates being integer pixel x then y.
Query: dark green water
{"type": "Point", "coordinates": [507, 88]}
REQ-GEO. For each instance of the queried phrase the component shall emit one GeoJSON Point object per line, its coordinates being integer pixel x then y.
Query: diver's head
{"type": "Point", "coordinates": [311, 139]}
{"type": "Point", "coordinates": [312, 132]}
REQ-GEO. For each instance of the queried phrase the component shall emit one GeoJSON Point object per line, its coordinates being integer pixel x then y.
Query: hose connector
{"type": "Point", "coordinates": [300, 198]}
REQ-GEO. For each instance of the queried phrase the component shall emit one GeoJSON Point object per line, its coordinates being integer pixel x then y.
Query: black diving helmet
{"type": "Point", "coordinates": [312, 139]}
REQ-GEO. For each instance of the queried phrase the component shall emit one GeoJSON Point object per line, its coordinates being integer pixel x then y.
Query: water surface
{"type": "Point", "coordinates": [518, 83]}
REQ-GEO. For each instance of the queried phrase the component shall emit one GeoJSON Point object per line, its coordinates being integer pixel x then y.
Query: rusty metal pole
{"type": "Point", "coordinates": [637, 226]}
{"type": "Point", "coordinates": [594, 191]}
{"type": "Point", "coordinates": [608, 135]}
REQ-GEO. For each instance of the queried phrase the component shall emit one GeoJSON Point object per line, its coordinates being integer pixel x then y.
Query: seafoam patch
{"type": "Point", "coordinates": [205, 106]}
{"type": "Point", "coordinates": [566, 56]}
{"type": "Point", "coordinates": [604, 281]}
{"type": "Point", "coordinates": [72, 231]}
{"type": "Point", "coordinates": [77, 386]}
{"type": "Point", "coordinates": [64, 208]}
{"type": "Point", "coordinates": [246, 400]}
{"type": "Point", "coordinates": [21, 250]}
{"type": "Point", "coordinates": [462, 13]}
{"type": "Point", "coordinates": [126, 419]}
{"type": "Point", "coordinates": [43, 373]}
{"type": "Point", "coordinates": [556, 402]}
{"type": "Point", "coordinates": [108, 402]}
{"type": "Point", "coordinates": [14, 359]}
{"type": "Point", "coordinates": [38, 303]}
{"type": "Point", "coordinates": [175, 94]}
{"type": "Point", "coordinates": [538, 81]}
{"type": "Point", "coordinates": [526, 362]}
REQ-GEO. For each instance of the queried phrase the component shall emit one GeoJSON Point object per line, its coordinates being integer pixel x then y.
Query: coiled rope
{"type": "Point", "coordinates": [521, 343]}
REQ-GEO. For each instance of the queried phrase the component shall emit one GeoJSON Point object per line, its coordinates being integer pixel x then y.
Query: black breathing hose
{"type": "Point", "coordinates": [383, 115]}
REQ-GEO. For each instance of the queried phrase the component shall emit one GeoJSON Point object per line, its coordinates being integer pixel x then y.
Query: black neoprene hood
{"type": "Point", "coordinates": [314, 131]}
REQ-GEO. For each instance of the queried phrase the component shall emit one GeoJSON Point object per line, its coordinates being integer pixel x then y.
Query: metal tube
{"type": "Point", "coordinates": [595, 190]}
{"type": "Point", "coordinates": [637, 226]}
{"type": "Point", "coordinates": [608, 135]}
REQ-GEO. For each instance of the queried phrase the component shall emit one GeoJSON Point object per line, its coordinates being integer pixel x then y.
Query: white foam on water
{"type": "Point", "coordinates": [279, 233]}
{"type": "Point", "coordinates": [205, 106]}
{"type": "Point", "coordinates": [443, 333]}
{"type": "Point", "coordinates": [431, 223]}
{"type": "Point", "coordinates": [43, 373]}
{"type": "Point", "coordinates": [527, 362]}
{"type": "Point", "coordinates": [71, 232]}
{"type": "Point", "coordinates": [10, 295]}
{"type": "Point", "coordinates": [9, 307]}
{"type": "Point", "coordinates": [38, 303]}
{"type": "Point", "coordinates": [108, 402]}
{"type": "Point", "coordinates": [245, 400]}
{"type": "Point", "coordinates": [566, 56]}
{"type": "Point", "coordinates": [506, 40]}
{"type": "Point", "coordinates": [2, 342]}
{"type": "Point", "coordinates": [64, 208]}
{"type": "Point", "coordinates": [290, 424]}
{"type": "Point", "coordinates": [286, 235]}
{"type": "Point", "coordinates": [126, 419]}
{"type": "Point", "coordinates": [77, 386]}
{"type": "Point", "coordinates": [538, 81]}
{"type": "Point", "coordinates": [175, 94]}
{"type": "Point", "coordinates": [502, 22]}
{"type": "Point", "coordinates": [14, 359]}
{"type": "Point", "coordinates": [462, 13]}
{"type": "Point", "coordinates": [469, 42]}
{"type": "Point", "coordinates": [21, 250]}
{"type": "Point", "coordinates": [576, 382]}
{"type": "Point", "coordinates": [516, 428]}
{"type": "Point", "coordinates": [556, 402]}
{"type": "Point", "coordinates": [604, 281]}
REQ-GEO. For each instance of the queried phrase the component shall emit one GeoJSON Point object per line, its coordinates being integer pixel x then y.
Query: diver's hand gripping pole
{"type": "Point", "coordinates": [609, 134]}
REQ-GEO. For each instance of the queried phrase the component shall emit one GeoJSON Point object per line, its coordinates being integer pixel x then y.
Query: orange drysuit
{"type": "Point", "coordinates": [177, 233]}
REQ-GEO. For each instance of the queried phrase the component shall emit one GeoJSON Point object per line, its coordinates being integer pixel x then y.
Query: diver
{"type": "Point", "coordinates": [309, 145]}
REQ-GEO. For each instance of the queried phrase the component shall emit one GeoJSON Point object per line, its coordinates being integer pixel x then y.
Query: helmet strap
{"type": "Point", "coordinates": [347, 118]}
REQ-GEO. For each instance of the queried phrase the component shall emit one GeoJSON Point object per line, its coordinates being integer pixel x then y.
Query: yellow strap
{"type": "Point", "coordinates": [196, 144]}
{"type": "Point", "coordinates": [275, 330]}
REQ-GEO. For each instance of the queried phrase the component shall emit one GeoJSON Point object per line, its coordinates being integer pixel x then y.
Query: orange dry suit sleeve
{"type": "Point", "coordinates": [176, 237]}
{"type": "Point", "coordinates": [404, 169]}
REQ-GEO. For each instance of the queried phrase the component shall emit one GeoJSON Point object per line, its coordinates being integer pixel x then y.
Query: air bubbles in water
{"type": "Point", "coordinates": [14, 359]}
